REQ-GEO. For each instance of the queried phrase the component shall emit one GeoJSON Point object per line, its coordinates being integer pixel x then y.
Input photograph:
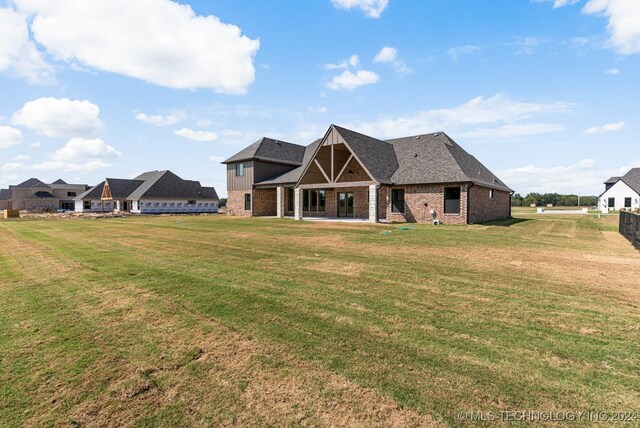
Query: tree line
{"type": "Point", "coordinates": [553, 198]}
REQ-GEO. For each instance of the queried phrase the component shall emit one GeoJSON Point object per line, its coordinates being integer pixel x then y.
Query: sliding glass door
{"type": "Point", "coordinates": [345, 204]}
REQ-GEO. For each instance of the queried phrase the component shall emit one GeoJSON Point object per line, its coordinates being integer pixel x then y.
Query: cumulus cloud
{"type": "Point", "coordinates": [59, 117]}
{"type": "Point", "coordinates": [353, 61]}
{"type": "Point", "coordinates": [159, 41]}
{"type": "Point", "coordinates": [389, 55]}
{"type": "Point", "coordinates": [9, 136]}
{"type": "Point", "coordinates": [481, 118]}
{"type": "Point", "coordinates": [158, 119]}
{"type": "Point", "coordinates": [81, 150]}
{"type": "Point", "coordinates": [371, 8]}
{"type": "Point", "coordinates": [202, 136]}
{"type": "Point", "coordinates": [349, 81]}
{"type": "Point", "coordinates": [624, 22]}
{"type": "Point", "coordinates": [584, 177]}
{"type": "Point", "coordinates": [19, 55]}
{"type": "Point", "coordinates": [609, 127]}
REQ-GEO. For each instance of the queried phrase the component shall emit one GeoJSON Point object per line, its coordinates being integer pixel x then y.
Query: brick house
{"type": "Point", "coordinates": [346, 174]}
{"type": "Point", "coordinates": [34, 194]}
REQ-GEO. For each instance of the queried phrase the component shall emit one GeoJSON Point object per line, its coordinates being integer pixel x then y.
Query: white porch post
{"type": "Point", "coordinates": [373, 203]}
{"type": "Point", "coordinates": [280, 202]}
{"type": "Point", "coordinates": [297, 207]}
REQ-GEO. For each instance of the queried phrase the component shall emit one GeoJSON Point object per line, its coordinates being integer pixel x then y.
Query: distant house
{"type": "Point", "coordinates": [346, 174]}
{"type": "Point", "coordinates": [621, 192]}
{"type": "Point", "coordinates": [153, 192]}
{"type": "Point", "coordinates": [35, 194]}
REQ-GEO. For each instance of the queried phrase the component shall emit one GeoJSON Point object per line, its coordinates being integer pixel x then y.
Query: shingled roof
{"type": "Point", "coordinates": [612, 180]}
{"type": "Point", "coordinates": [31, 183]}
{"type": "Point", "coordinates": [632, 179]}
{"type": "Point", "coordinates": [292, 177]}
{"type": "Point", "coordinates": [5, 194]}
{"type": "Point", "coordinates": [59, 181]}
{"type": "Point", "coordinates": [378, 157]}
{"type": "Point", "coordinates": [270, 150]}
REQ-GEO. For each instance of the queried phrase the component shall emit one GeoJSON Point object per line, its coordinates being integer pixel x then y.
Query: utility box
{"type": "Point", "coordinates": [11, 213]}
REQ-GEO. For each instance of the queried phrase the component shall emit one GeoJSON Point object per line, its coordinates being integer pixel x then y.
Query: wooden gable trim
{"type": "Point", "coordinates": [106, 192]}
{"type": "Point", "coordinates": [345, 167]}
{"type": "Point", "coordinates": [324, 139]}
{"type": "Point", "coordinates": [322, 170]}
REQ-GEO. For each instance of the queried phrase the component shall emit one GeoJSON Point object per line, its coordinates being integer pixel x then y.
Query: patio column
{"type": "Point", "coordinates": [280, 202]}
{"type": "Point", "coordinates": [373, 203]}
{"type": "Point", "coordinates": [297, 207]}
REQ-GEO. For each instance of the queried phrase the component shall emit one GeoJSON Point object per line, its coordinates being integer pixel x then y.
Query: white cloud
{"type": "Point", "coordinates": [624, 22]}
{"type": "Point", "coordinates": [371, 8]}
{"type": "Point", "coordinates": [561, 3]}
{"type": "Point", "coordinates": [353, 61]}
{"type": "Point", "coordinates": [583, 177]}
{"type": "Point", "coordinates": [59, 117]}
{"type": "Point", "coordinates": [196, 135]}
{"type": "Point", "coordinates": [19, 56]}
{"type": "Point", "coordinates": [389, 55]}
{"type": "Point", "coordinates": [159, 41]}
{"type": "Point", "coordinates": [83, 150]}
{"type": "Point", "coordinates": [158, 119]}
{"type": "Point", "coordinates": [12, 166]}
{"type": "Point", "coordinates": [609, 127]}
{"type": "Point", "coordinates": [9, 136]}
{"type": "Point", "coordinates": [456, 52]}
{"type": "Point", "coordinates": [612, 71]}
{"type": "Point", "coordinates": [480, 117]}
{"type": "Point", "coordinates": [349, 81]}
{"type": "Point", "coordinates": [19, 158]}
{"type": "Point", "coordinates": [35, 144]}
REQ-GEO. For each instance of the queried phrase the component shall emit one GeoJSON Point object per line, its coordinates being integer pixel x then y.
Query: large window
{"type": "Point", "coordinates": [290, 197]}
{"type": "Point", "coordinates": [397, 200]}
{"type": "Point", "coordinates": [627, 202]}
{"type": "Point", "coordinates": [452, 200]}
{"type": "Point", "coordinates": [239, 170]}
{"type": "Point", "coordinates": [86, 205]}
{"type": "Point", "coordinates": [247, 201]}
{"type": "Point", "coordinates": [69, 194]}
{"type": "Point", "coordinates": [612, 202]}
{"type": "Point", "coordinates": [314, 200]}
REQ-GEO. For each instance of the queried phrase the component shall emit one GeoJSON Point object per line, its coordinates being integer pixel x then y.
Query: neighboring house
{"type": "Point", "coordinates": [34, 194]}
{"type": "Point", "coordinates": [621, 192]}
{"type": "Point", "coordinates": [153, 192]}
{"type": "Point", "coordinates": [347, 174]}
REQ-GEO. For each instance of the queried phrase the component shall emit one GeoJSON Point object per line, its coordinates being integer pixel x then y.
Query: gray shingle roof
{"type": "Point", "coordinates": [93, 193]}
{"type": "Point", "coordinates": [632, 179]}
{"type": "Point", "coordinates": [378, 157]}
{"type": "Point", "coordinates": [5, 194]}
{"type": "Point", "coordinates": [59, 181]}
{"type": "Point", "coordinates": [292, 177]}
{"type": "Point", "coordinates": [165, 184]}
{"type": "Point", "coordinates": [31, 183]}
{"type": "Point", "coordinates": [612, 180]}
{"type": "Point", "coordinates": [270, 150]}
{"type": "Point", "coordinates": [121, 188]}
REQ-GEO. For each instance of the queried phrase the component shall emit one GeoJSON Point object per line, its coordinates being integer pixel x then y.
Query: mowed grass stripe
{"type": "Point", "coordinates": [278, 308]}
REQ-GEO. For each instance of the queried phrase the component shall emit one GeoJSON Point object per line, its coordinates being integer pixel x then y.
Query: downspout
{"type": "Point", "coordinates": [510, 195]}
{"type": "Point", "coordinates": [469, 202]}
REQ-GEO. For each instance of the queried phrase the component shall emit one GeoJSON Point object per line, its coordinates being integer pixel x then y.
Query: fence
{"type": "Point", "coordinates": [630, 227]}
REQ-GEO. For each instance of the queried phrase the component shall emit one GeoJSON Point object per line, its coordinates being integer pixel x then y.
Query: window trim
{"type": "Point", "coordinates": [491, 194]}
{"type": "Point", "coordinates": [395, 201]}
{"type": "Point", "coordinates": [611, 205]}
{"type": "Point", "coordinates": [629, 204]}
{"type": "Point", "coordinates": [240, 169]}
{"type": "Point", "coordinates": [444, 194]}
{"type": "Point", "coordinates": [247, 201]}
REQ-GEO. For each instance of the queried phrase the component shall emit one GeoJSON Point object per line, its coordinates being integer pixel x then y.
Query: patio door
{"type": "Point", "coordinates": [345, 204]}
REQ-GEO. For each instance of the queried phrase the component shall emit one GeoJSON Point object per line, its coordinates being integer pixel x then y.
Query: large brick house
{"type": "Point", "coordinates": [34, 194]}
{"type": "Point", "coordinates": [346, 174]}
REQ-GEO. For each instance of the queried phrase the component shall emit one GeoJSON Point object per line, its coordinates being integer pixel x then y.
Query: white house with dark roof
{"type": "Point", "coordinates": [419, 178]}
{"type": "Point", "coordinates": [153, 192]}
{"type": "Point", "coordinates": [621, 192]}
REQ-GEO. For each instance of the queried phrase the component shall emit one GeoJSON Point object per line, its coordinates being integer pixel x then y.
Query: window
{"type": "Point", "coordinates": [491, 193]}
{"type": "Point", "coordinates": [314, 201]}
{"type": "Point", "coordinates": [87, 205]}
{"type": "Point", "coordinates": [612, 202]}
{"type": "Point", "coordinates": [239, 170]}
{"type": "Point", "coordinates": [247, 201]}
{"type": "Point", "coordinates": [191, 202]}
{"type": "Point", "coordinates": [71, 193]}
{"type": "Point", "coordinates": [322, 200]}
{"type": "Point", "coordinates": [290, 199]}
{"type": "Point", "coordinates": [397, 200]}
{"type": "Point", "coordinates": [452, 200]}
{"type": "Point", "coordinates": [627, 202]}
{"type": "Point", "coordinates": [305, 200]}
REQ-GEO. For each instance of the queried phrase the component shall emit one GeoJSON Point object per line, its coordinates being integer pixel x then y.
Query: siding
{"type": "Point", "coordinates": [266, 170]}
{"type": "Point", "coordinates": [240, 183]}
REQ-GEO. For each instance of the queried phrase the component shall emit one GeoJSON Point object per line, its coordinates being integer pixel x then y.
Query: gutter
{"type": "Point", "coordinates": [510, 195]}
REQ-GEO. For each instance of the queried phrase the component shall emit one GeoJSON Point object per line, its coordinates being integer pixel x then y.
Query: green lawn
{"type": "Point", "coordinates": [208, 321]}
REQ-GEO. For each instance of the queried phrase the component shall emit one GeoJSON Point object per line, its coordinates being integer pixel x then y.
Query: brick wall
{"type": "Point", "coordinates": [235, 202]}
{"type": "Point", "coordinates": [264, 202]}
{"type": "Point", "coordinates": [354, 172]}
{"type": "Point", "coordinates": [484, 208]}
{"type": "Point", "coordinates": [415, 197]}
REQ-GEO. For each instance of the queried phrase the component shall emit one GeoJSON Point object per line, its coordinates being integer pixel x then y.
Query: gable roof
{"type": "Point", "coordinates": [94, 192]}
{"type": "Point", "coordinates": [270, 150]}
{"type": "Point", "coordinates": [632, 179]}
{"type": "Point", "coordinates": [292, 177]}
{"type": "Point", "coordinates": [612, 180]}
{"type": "Point", "coordinates": [59, 181]}
{"type": "Point", "coordinates": [121, 188]}
{"type": "Point", "coordinates": [31, 183]}
{"type": "Point", "coordinates": [166, 184]}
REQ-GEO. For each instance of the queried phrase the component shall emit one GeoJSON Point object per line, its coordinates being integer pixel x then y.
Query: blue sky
{"type": "Point", "coordinates": [545, 93]}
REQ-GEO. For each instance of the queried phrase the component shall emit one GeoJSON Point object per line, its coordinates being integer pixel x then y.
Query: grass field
{"type": "Point", "coordinates": [214, 321]}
